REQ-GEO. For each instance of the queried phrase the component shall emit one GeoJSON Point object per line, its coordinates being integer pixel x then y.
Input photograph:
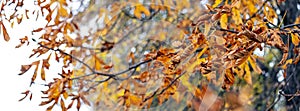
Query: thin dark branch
{"type": "Point", "coordinates": [163, 90]}
{"type": "Point", "coordinates": [97, 83]}
{"type": "Point", "coordinates": [271, 106]}
{"type": "Point", "coordinates": [129, 32]}
{"type": "Point", "coordinates": [296, 94]}
{"type": "Point", "coordinates": [63, 52]}
{"type": "Point", "coordinates": [128, 75]}
{"type": "Point", "coordinates": [115, 74]}
{"type": "Point", "coordinates": [226, 30]}
{"type": "Point", "coordinates": [290, 25]}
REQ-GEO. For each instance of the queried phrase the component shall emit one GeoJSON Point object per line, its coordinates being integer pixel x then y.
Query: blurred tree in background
{"type": "Point", "coordinates": [162, 54]}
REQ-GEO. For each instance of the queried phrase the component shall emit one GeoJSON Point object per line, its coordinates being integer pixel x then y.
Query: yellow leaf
{"type": "Point", "coordinates": [251, 7]}
{"type": "Point", "coordinates": [252, 62]}
{"type": "Point", "coordinates": [139, 9]}
{"type": "Point", "coordinates": [223, 21]}
{"type": "Point", "coordinates": [65, 95]}
{"type": "Point", "coordinates": [295, 39]}
{"type": "Point", "coordinates": [98, 63]}
{"type": "Point", "coordinates": [286, 63]}
{"type": "Point", "coordinates": [63, 12]}
{"type": "Point", "coordinates": [217, 2]}
{"type": "Point", "coordinates": [247, 76]}
{"type": "Point", "coordinates": [135, 100]}
{"type": "Point", "coordinates": [236, 16]}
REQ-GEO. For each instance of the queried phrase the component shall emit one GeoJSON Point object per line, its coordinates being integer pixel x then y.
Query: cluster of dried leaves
{"type": "Point", "coordinates": [215, 43]}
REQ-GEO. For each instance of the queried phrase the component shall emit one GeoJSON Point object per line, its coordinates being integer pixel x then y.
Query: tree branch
{"type": "Point", "coordinates": [163, 90]}
{"type": "Point", "coordinates": [115, 74]}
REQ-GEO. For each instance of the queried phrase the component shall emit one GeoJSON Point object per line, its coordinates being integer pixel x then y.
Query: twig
{"type": "Point", "coordinates": [271, 106]}
{"type": "Point", "coordinates": [296, 94]}
{"type": "Point", "coordinates": [129, 32]}
{"type": "Point", "coordinates": [163, 90]}
{"type": "Point", "coordinates": [115, 74]}
{"type": "Point", "coordinates": [226, 30]}
{"type": "Point", "coordinates": [290, 25]}
{"type": "Point", "coordinates": [98, 82]}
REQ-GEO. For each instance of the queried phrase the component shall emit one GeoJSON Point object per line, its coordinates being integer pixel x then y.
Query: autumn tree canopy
{"type": "Point", "coordinates": [162, 54]}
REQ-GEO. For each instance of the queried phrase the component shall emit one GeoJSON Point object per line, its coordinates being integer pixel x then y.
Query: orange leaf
{"type": "Point", "coordinates": [62, 105]}
{"type": "Point", "coordinates": [289, 61]}
{"type": "Point", "coordinates": [65, 95]}
{"type": "Point", "coordinates": [295, 39]}
{"type": "Point", "coordinates": [139, 9]}
{"type": "Point", "coordinates": [43, 73]}
{"type": "Point", "coordinates": [135, 100]}
{"type": "Point", "coordinates": [223, 21]}
{"type": "Point", "coordinates": [63, 12]}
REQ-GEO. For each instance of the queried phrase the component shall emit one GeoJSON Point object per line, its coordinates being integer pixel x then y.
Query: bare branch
{"type": "Point", "coordinates": [163, 90]}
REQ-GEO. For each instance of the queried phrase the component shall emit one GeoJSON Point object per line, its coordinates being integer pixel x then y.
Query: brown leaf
{"type": "Point", "coordinates": [43, 73]}
{"type": "Point", "coordinates": [85, 101]}
{"type": "Point", "coordinates": [5, 34]}
{"type": "Point", "coordinates": [70, 105]}
{"type": "Point", "coordinates": [62, 105]}
{"type": "Point", "coordinates": [78, 104]}
{"type": "Point", "coordinates": [50, 107]}
{"type": "Point", "coordinates": [35, 71]}
{"type": "Point", "coordinates": [26, 93]}
{"type": "Point", "coordinates": [37, 30]}
{"type": "Point", "coordinates": [30, 97]}
{"type": "Point", "coordinates": [25, 68]}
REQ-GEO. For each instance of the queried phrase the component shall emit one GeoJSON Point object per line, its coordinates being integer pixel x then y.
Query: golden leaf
{"type": "Point", "coordinates": [237, 16]}
{"type": "Point", "coordinates": [247, 76]}
{"type": "Point", "coordinates": [135, 100]}
{"type": "Point", "coordinates": [139, 9]}
{"type": "Point", "coordinates": [223, 21]}
{"type": "Point", "coordinates": [63, 12]}
{"type": "Point", "coordinates": [217, 2]}
{"type": "Point", "coordinates": [289, 61]}
{"type": "Point", "coordinates": [295, 39]}
{"type": "Point", "coordinates": [62, 105]}
{"type": "Point", "coordinates": [65, 95]}
{"type": "Point", "coordinates": [252, 62]}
